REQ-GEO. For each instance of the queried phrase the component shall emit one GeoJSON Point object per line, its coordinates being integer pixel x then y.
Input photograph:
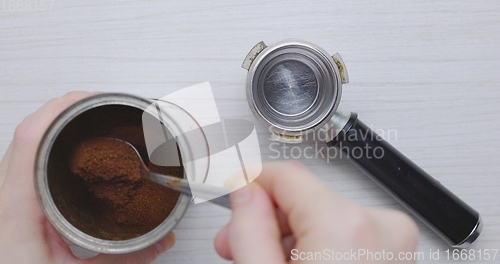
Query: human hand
{"type": "Point", "coordinates": [287, 208]}
{"type": "Point", "coordinates": [26, 236]}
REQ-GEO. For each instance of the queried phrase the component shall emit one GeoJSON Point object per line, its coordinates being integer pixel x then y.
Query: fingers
{"type": "Point", "coordinates": [309, 216]}
{"type": "Point", "coordinates": [27, 137]}
{"type": "Point", "coordinates": [283, 222]}
{"type": "Point", "coordinates": [146, 255]}
{"type": "Point", "coordinates": [288, 243]}
{"type": "Point", "coordinates": [253, 223]}
{"type": "Point", "coordinates": [57, 245]}
{"type": "Point", "coordinates": [396, 230]}
{"type": "Point", "coordinates": [18, 182]}
{"type": "Point", "coordinates": [307, 202]}
{"type": "Point", "coordinates": [222, 247]}
{"type": "Point", "coordinates": [221, 244]}
{"type": "Point", "coordinates": [33, 126]}
{"type": "Point", "coordinates": [4, 164]}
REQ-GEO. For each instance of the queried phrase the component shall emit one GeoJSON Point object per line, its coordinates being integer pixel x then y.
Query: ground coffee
{"type": "Point", "coordinates": [110, 170]}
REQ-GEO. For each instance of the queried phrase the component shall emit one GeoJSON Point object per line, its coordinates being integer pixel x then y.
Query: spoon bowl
{"type": "Point", "coordinates": [213, 194]}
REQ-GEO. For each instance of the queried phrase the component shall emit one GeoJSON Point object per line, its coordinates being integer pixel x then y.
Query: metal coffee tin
{"type": "Point", "coordinates": [47, 169]}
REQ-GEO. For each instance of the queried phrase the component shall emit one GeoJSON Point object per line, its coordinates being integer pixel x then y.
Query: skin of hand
{"type": "Point", "coordinates": [287, 208]}
{"type": "Point", "coordinates": [26, 236]}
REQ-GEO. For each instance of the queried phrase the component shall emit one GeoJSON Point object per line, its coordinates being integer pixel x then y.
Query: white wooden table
{"type": "Point", "coordinates": [429, 70]}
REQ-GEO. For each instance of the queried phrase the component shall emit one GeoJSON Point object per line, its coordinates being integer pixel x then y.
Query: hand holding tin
{"type": "Point", "coordinates": [26, 234]}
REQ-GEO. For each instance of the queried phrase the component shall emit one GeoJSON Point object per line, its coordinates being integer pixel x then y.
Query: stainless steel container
{"type": "Point", "coordinates": [96, 116]}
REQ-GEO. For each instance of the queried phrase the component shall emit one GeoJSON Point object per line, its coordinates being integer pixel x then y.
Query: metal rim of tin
{"type": "Point", "coordinates": [327, 98]}
{"type": "Point", "coordinates": [59, 222]}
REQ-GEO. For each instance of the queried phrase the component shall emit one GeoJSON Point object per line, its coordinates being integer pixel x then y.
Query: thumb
{"type": "Point", "coordinates": [253, 222]}
{"type": "Point", "coordinates": [146, 255]}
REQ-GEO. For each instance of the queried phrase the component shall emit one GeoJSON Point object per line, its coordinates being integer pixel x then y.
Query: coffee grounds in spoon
{"type": "Point", "coordinates": [110, 170]}
{"type": "Point", "coordinates": [105, 159]}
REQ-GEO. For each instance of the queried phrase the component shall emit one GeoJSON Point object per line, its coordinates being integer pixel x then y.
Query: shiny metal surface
{"type": "Point", "coordinates": [290, 87]}
{"type": "Point", "coordinates": [473, 235]}
{"type": "Point", "coordinates": [294, 87]}
{"type": "Point", "coordinates": [204, 191]}
{"type": "Point", "coordinates": [252, 54]}
{"type": "Point", "coordinates": [334, 126]}
{"type": "Point", "coordinates": [51, 211]}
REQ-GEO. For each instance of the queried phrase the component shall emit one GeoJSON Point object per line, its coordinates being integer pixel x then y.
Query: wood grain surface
{"type": "Point", "coordinates": [429, 70]}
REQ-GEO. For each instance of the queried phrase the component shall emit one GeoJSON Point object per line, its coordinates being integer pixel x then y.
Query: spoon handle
{"type": "Point", "coordinates": [204, 191]}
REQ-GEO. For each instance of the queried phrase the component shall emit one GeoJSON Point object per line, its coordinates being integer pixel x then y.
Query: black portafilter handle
{"type": "Point", "coordinates": [445, 213]}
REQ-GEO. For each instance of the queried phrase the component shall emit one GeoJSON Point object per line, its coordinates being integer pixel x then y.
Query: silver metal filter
{"type": "Point", "coordinates": [293, 86]}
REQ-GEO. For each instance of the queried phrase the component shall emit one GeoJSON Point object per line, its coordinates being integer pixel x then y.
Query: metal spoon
{"type": "Point", "coordinates": [201, 190]}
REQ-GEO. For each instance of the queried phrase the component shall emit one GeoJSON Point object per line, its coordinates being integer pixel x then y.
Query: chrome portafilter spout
{"type": "Point", "coordinates": [295, 88]}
